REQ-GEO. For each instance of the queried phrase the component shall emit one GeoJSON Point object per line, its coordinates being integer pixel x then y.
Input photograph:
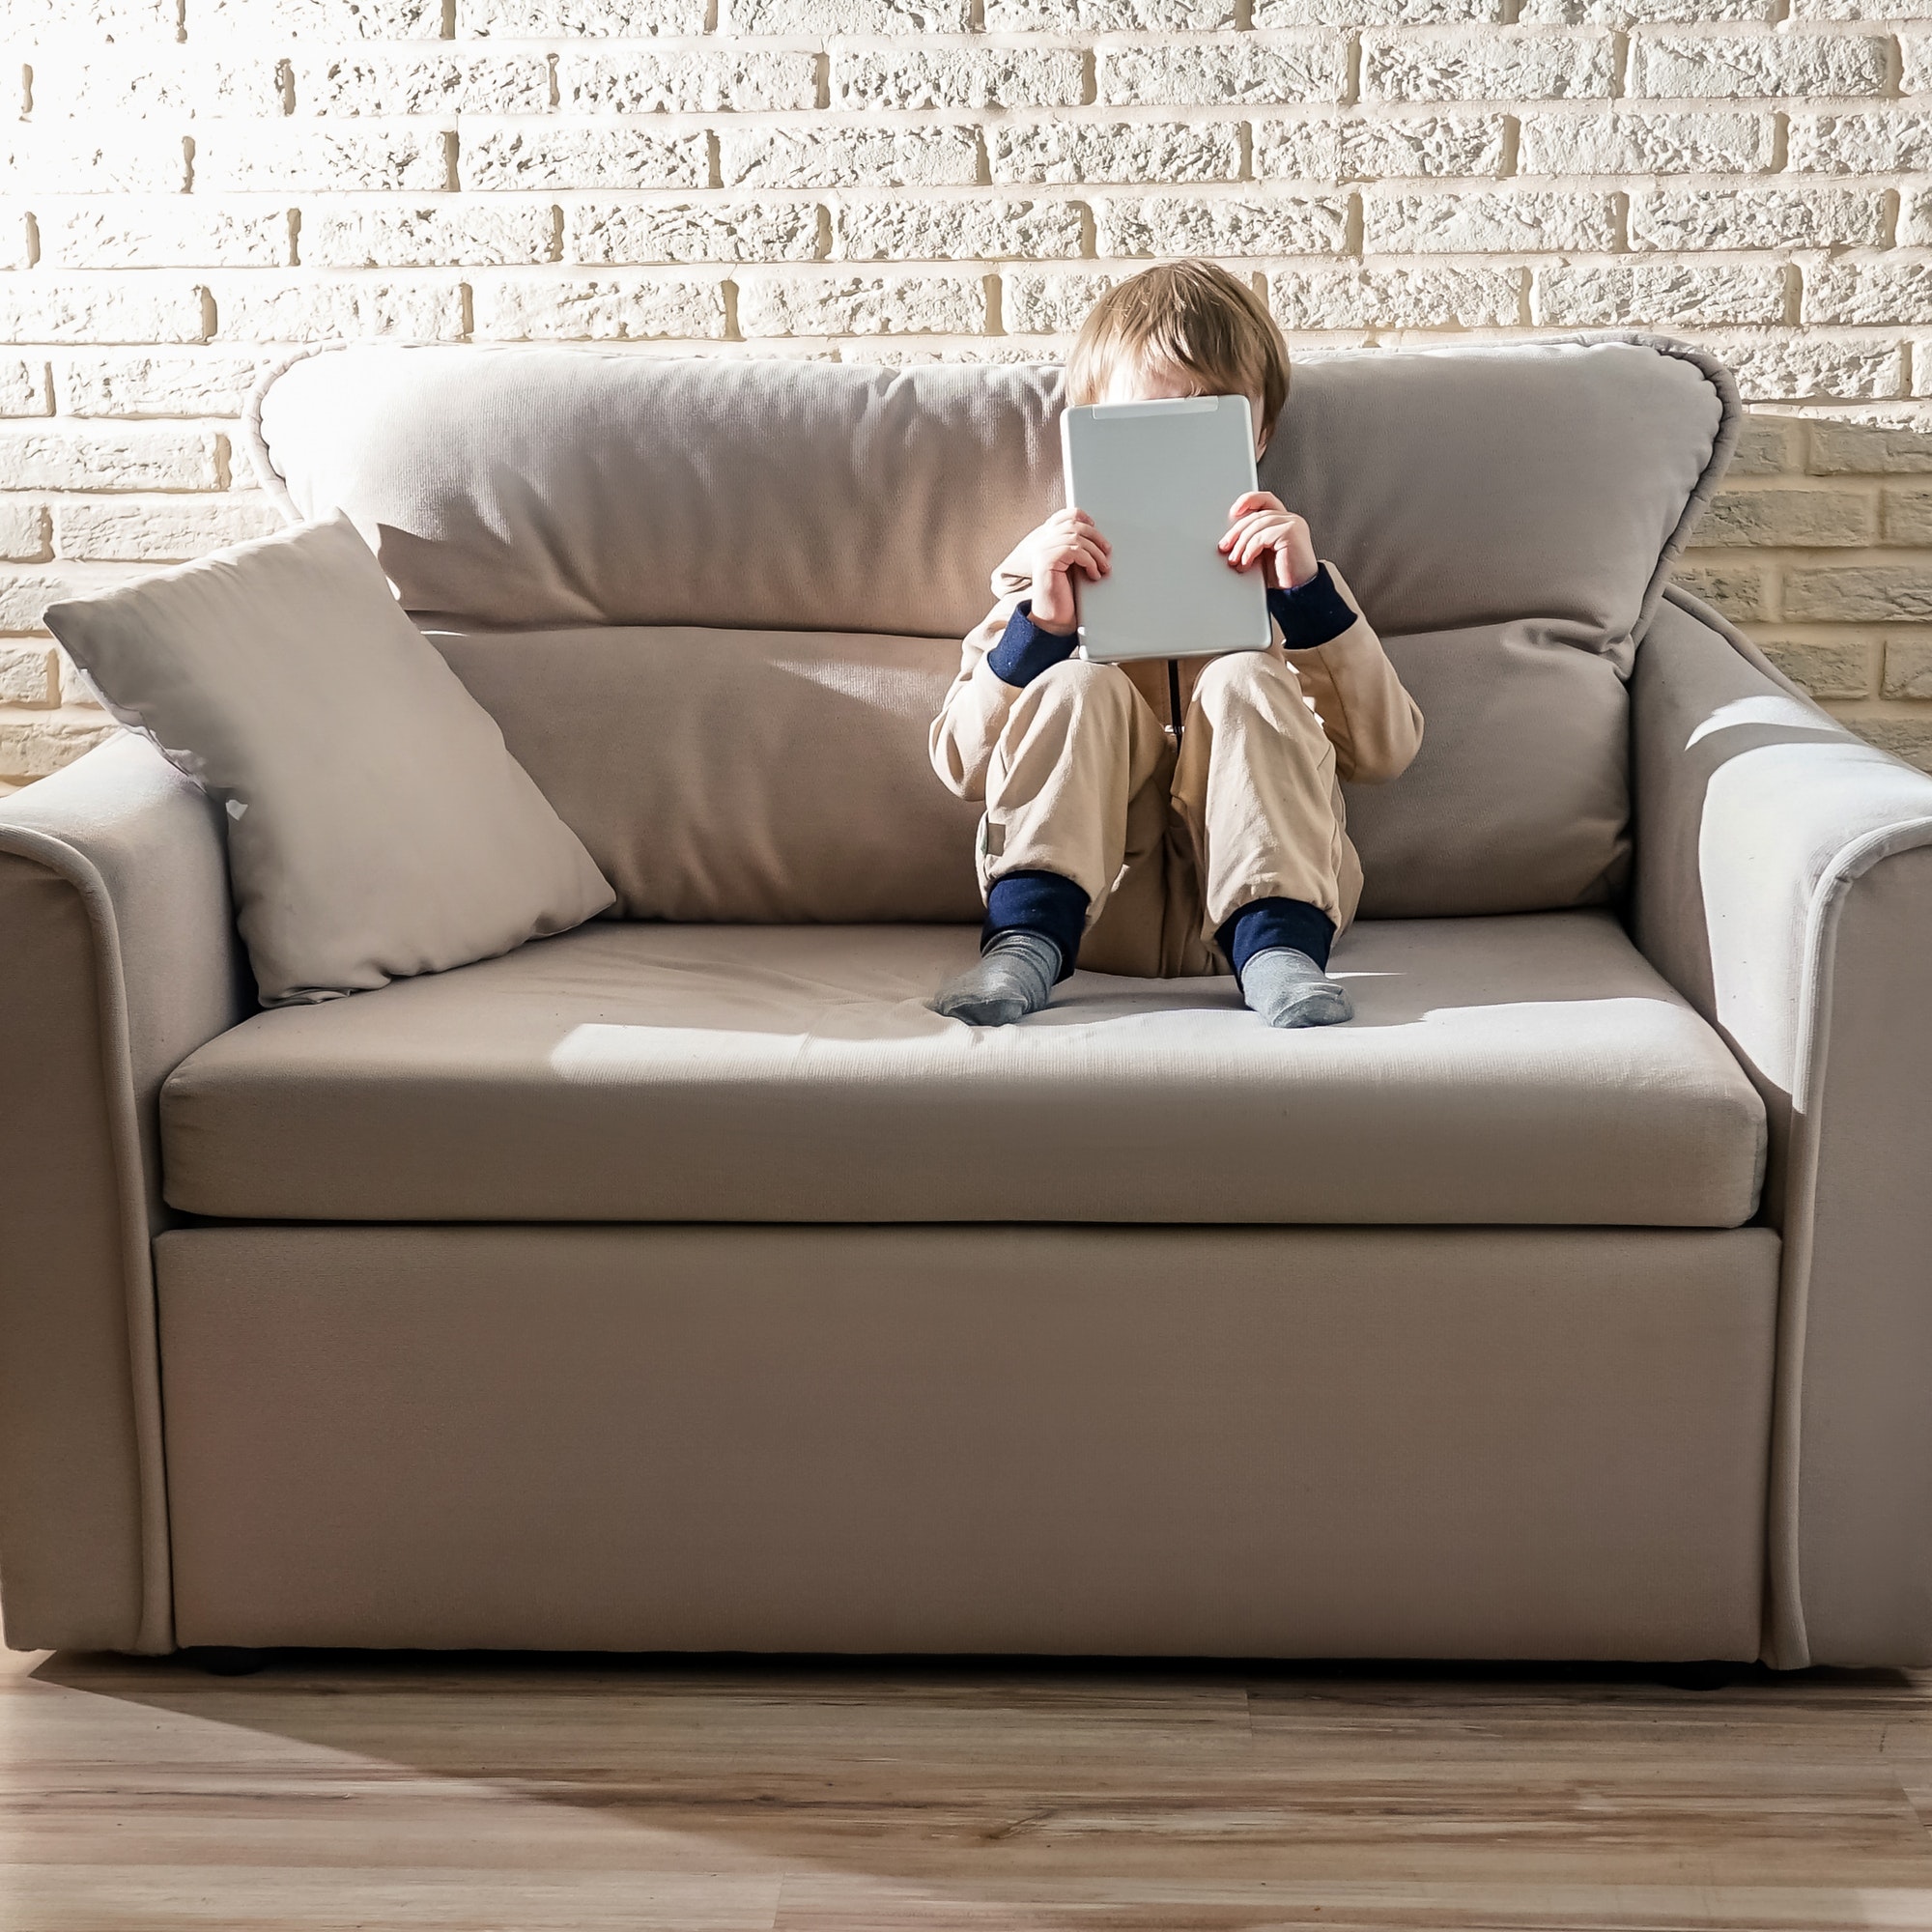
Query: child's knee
{"type": "Point", "coordinates": [1241, 675]}
{"type": "Point", "coordinates": [1077, 689]}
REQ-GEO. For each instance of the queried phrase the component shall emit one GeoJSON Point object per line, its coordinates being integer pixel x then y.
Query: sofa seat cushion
{"type": "Point", "coordinates": [1500, 1070]}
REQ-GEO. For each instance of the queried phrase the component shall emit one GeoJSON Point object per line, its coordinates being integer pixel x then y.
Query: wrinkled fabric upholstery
{"type": "Point", "coordinates": [1503, 513]}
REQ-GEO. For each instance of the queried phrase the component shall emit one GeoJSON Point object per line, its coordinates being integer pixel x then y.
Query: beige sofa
{"type": "Point", "coordinates": [683, 1283]}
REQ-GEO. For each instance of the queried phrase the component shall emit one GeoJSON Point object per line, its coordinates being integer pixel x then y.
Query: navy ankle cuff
{"type": "Point", "coordinates": [1262, 924]}
{"type": "Point", "coordinates": [1041, 903]}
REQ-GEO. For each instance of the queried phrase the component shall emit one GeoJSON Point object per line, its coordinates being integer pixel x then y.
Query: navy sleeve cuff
{"type": "Point", "coordinates": [1311, 614]}
{"type": "Point", "coordinates": [1025, 650]}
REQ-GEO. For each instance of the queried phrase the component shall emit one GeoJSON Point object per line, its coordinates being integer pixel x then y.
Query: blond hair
{"type": "Point", "coordinates": [1191, 317]}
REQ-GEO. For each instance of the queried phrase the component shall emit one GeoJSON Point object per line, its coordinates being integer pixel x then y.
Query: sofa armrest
{"type": "Point", "coordinates": [118, 958]}
{"type": "Point", "coordinates": [1784, 883]}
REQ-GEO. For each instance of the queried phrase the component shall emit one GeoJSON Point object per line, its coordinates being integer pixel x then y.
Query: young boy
{"type": "Point", "coordinates": [1100, 841]}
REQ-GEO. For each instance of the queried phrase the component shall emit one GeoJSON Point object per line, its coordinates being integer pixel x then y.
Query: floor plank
{"type": "Point", "coordinates": [341, 1790]}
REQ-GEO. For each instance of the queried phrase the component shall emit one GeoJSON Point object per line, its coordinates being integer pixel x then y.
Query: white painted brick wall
{"type": "Point", "coordinates": [190, 186]}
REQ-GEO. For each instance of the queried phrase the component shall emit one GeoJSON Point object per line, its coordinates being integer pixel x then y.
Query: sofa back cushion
{"type": "Point", "coordinates": [765, 776]}
{"type": "Point", "coordinates": [785, 554]}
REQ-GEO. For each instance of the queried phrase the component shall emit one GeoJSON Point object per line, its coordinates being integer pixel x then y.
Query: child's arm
{"type": "Point", "coordinates": [1374, 724]}
{"type": "Point", "coordinates": [1029, 629]}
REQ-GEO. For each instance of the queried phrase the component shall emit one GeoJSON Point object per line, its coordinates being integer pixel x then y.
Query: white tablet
{"type": "Point", "coordinates": [1157, 479]}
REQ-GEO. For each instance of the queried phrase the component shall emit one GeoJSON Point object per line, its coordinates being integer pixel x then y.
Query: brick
{"type": "Point", "coordinates": [143, 21]}
{"type": "Point", "coordinates": [1868, 292]}
{"type": "Point", "coordinates": [573, 19]}
{"type": "Point", "coordinates": [1317, 298]}
{"type": "Point", "coordinates": [1136, 151]}
{"type": "Point", "coordinates": [1660, 295]}
{"type": "Point", "coordinates": [278, 310]}
{"type": "Point", "coordinates": [1795, 368]}
{"type": "Point", "coordinates": [1741, 590]}
{"type": "Point", "coordinates": [1757, 218]}
{"type": "Point", "coordinates": [1375, 13]}
{"type": "Point", "coordinates": [130, 308]}
{"type": "Point", "coordinates": [1639, 13]}
{"type": "Point", "coordinates": [1867, 449]}
{"type": "Point", "coordinates": [39, 749]}
{"type": "Point", "coordinates": [16, 251]}
{"type": "Point", "coordinates": [1859, 10]}
{"type": "Point", "coordinates": [25, 594]}
{"type": "Point", "coordinates": [1895, 142]}
{"type": "Point", "coordinates": [1331, 148]}
{"type": "Point", "coordinates": [24, 389]}
{"type": "Point", "coordinates": [64, 158]}
{"type": "Point", "coordinates": [1179, 224]}
{"type": "Point", "coordinates": [328, 159]}
{"type": "Point", "coordinates": [1914, 50]}
{"type": "Point", "coordinates": [1111, 16]}
{"type": "Point", "coordinates": [848, 157]}
{"type": "Point", "coordinates": [1799, 518]}
{"type": "Point", "coordinates": [184, 84]}
{"type": "Point", "coordinates": [1905, 517]}
{"type": "Point", "coordinates": [612, 308]}
{"type": "Point", "coordinates": [378, 81]}
{"type": "Point", "coordinates": [761, 231]}
{"type": "Point", "coordinates": [1908, 667]}
{"type": "Point", "coordinates": [1766, 446]}
{"type": "Point", "coordinates": [641, 81]}
{"type": "Point", "coordinates": [782, 304]}
{"type": "Point", "coordinates": [131, 456]}
{"type": "Point", "coordinates": [180, 232]}
{"type": "Point", "coordinates": [1617, 143]}
{"type": "Point", "coordinates": [1492, 63]}
{"type": "Point", "coordinates": [458, 233]}
{"type": "Point", "coordinates": [1036, 301]}
{"type": "Point", "coordinates": [1528, 221]}
{"type": "Point", "coordinates": [564, 155]}
{"type": "Point", "coordinates": [147, 384]}
{"type": "Point", "coordinates": [29, 675]}
{"type": "Point", "coordinates": [1859, 593]}
{"type": "Point", "coordinates": [318, 19]}
{"type": "Point", "coordinates": [903, 230]}
{"type": "Point", "coordinates": [134, 531]}
{"type": "Point", "coordinates": [1825, 667]}
{"type": "Point", "coordinates": [845, 16]}
{"type": "Point", "coordinates": [1907, 738]}
{"type": "Point", "coordinates": [913, 78]}
{"type": "Point", "coordinates": [1915, 220]}
{"type": "Point", "coordinates": [1216, 74]}
{"type": "Point", "coordinates": [1765, 65]}
{"type": "Point", "coordinates": [26, 530]}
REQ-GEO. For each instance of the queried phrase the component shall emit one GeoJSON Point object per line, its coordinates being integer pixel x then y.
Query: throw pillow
{"type": "Point", "coordinates": [376, 825]}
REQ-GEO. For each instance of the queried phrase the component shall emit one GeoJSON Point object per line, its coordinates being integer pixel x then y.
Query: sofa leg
{"type": "Point", "coordinates": [228, 1660]}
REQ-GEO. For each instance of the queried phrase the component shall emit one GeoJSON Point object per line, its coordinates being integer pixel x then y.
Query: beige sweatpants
{"type": "Point", "coordinates": [1084, 781]}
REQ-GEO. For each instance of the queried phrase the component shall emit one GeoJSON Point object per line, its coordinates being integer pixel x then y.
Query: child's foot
{"type": "Point", "coordinates": [1014, 977]}
{"type": "Point", "coordinates": [1288, 989]}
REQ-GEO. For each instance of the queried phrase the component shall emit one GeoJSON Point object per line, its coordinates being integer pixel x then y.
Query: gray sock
{"type": "Point", "coordinates": [1014, 977]}
{"type": "Point", "coordinates": [1288, 989]}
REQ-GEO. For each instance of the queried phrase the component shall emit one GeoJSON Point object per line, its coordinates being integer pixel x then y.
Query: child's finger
{"type": "Point", "coordinates": [1256, 543]}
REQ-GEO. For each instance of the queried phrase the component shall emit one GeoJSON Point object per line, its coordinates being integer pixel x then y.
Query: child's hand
{"type": "Point", "coordinates": [1053, 552]}
{"type": "Point", "coordinates": [1260, 527]}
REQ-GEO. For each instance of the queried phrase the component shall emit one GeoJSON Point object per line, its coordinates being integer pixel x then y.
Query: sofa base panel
{"type": "Point", "coordinates": [1340, 1442]}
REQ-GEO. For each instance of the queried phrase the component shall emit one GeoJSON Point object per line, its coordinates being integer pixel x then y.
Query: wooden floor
{"type": "Point", "coordinates": [524, 1794]}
